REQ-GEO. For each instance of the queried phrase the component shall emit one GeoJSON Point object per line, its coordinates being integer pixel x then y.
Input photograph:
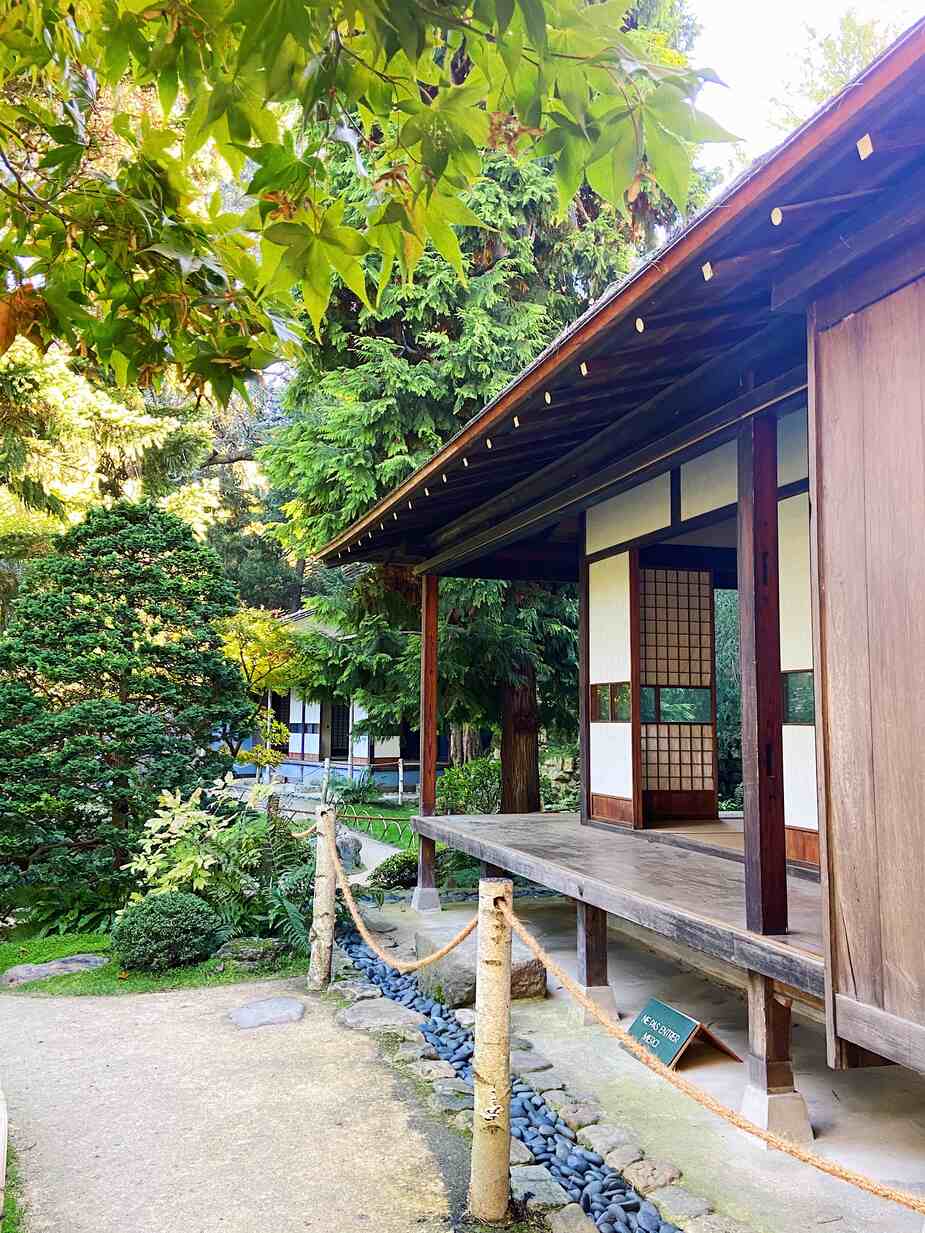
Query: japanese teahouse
{"type": "Point", "coordinates": [746, 410]}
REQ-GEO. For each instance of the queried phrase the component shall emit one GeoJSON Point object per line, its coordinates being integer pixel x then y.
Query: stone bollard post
{"type": "Point", "coordinates": [323, 907]}
{"type": "Point", "coordinates": [489, 1183]}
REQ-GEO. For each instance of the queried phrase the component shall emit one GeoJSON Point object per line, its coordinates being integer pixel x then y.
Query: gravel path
{"type": "Point", "coordinates": [155, 1114]}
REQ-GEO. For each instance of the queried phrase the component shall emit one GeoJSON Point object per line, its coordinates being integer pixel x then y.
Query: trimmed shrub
{"type": "Point", "coordinates": [398, 872]}
{"type": "Point", "coordinates": [474, 787]}
{"type": "Point", "coordinates": [166, 931]}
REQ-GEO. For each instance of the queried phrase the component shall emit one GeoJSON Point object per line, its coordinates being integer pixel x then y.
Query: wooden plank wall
{"type": "Point", "coordinates": [868, 434]}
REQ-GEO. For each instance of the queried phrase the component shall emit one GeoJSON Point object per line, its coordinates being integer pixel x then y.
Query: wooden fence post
{"type": "Point", "coordinates": [325, 783]}
{"type": "Point", "coordinates": [489, 1182]}
{"type": "Point", "coordinates": [401, 780]}
{"type": "Point", "coordinates": [323, 906]}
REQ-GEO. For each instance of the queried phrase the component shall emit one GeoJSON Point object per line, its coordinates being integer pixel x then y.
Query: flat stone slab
{"type": "Point", "coordinates": [577, 1116]}
{"type": "Point", "coordinates": [602, 1137]}
{"type": "Point", "coordinates": [376, 922]}
{"type": "Point", "coordinates": [378, 1015]}
{"type": "Point", "coordinates": [451, 980]}
{"type": "Point", "coordinates": [536, 1186]}
{"type": "Point", "coordinates": [23, 972]}
{"type": "Point", "coordinates": [520, 1153]}
{"type": "Point", "coordinates": [570, 1219]}
{"type": "Point", "coordinates": [453, 1085]}
{"type": "Point", "coordinates": [433, 1070]}
{"type": "Point", "coordinates": [355, 990]}
{"type": "Point", "coordinates": [267, 1012]}
{"type": "Point", "coordinates": [450, 1102]}
{"type": "Point", "coordinates": [620, 1157]}
{"type": "Point", "coordinates": [677, 1204]}
{"type": "Point", "coordinates": [647, 1175]}
{"type": "Point", "coordinates": [415, 1053]}
{"type": "Point", "coordinates": [465, 1017]}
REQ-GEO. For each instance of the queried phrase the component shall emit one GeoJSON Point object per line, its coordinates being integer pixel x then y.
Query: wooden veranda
{"type": "Point", "coordinates": [693, 897]}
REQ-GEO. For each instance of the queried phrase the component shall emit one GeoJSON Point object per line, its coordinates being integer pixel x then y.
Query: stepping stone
{"type": "Point", "coordinates": [536, 1186]}
{"type": "Point", "coordinates": [267, 1012]}
{"type": "Point", "coordinates": [463, 1121]}
{"type": "Point", "coordinates": [451, 980]}
{"type": "Point", "coordinates": [521, 1044]}
{"type": "Point", "coordinates": [602, 1138]}
{"type": "Point", "coordinates": [379, 1015]}
{"type": "Point", "coordinates": [570, 1219]}
{"type": "Point", "coordinates": [22, 972]}
{"type": "Point", "coordinates": [650, 1174]}
{"type": "Point", "coordinates": [675, 1204]}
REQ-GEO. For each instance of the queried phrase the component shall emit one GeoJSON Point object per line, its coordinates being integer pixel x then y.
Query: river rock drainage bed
{"type": "Point", "coordinates": [567, 1162]}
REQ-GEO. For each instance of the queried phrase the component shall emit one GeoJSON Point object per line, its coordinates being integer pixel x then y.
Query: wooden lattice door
{"type": "Point", "coordinates": [677, 703]}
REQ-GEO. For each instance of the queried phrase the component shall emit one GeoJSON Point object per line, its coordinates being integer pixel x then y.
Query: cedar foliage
{"type": "Point", "coordinates": [112, 685]}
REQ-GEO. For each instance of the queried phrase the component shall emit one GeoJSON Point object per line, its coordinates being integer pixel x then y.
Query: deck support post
{"type": "Point", "coordinates": [771, 1100]}
{"type": "Point", "coordinates": [762, 715]}
{"type": "Point", "coordinates": [426, 898]}
{"type": "Point", "coordinates": [592, 962]}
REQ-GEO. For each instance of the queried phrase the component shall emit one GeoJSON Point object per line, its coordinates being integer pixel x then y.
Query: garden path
{"type": "Point", "coordinates": [143, 1113]}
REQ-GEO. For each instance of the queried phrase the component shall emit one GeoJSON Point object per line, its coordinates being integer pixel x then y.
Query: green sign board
{"type": "Point", "coordinates": [667, 1032]}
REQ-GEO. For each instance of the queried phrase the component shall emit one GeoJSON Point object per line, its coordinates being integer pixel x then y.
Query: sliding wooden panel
{"type": "Point", "coordinates": [868, 444]}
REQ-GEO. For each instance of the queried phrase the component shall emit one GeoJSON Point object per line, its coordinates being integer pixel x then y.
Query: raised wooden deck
{"type": "Point", "coordinates": [692, 897]}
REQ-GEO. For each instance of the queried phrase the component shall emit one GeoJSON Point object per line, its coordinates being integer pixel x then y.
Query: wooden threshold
{"type": "Point", "coordinates": [693, 897]}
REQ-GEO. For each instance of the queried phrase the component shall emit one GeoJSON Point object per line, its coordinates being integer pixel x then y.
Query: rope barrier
{"type": "Point", "coordinates": [878, 1189]}
{"type": "Point", "coordinates": [399, 965]}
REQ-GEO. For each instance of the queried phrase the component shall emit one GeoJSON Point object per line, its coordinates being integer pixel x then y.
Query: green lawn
{"type": "Point", "coordinates": [109, 979]}
{"type": "Point", "coordinates": [384, 822]}
{"type": "Point", "coordinates": [12, 1219]}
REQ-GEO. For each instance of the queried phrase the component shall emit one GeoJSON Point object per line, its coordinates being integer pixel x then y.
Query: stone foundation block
{"type": "Point", "coordinates": [602, 1137]}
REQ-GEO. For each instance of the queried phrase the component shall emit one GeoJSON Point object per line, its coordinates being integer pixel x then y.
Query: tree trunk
{"type": "Point", "coordinates": [520, 748]}
{"type": "Point", "coordinates": [295, 592]}
{"type": "Point", "coordinates": [465, 744]}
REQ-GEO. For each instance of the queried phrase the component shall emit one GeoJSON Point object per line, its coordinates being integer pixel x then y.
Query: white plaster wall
{"type": "Point", "coordinates": [609, 619]}
{"type": "Point", "coordinates": [312, 739]}
{"type": "Point", "coordinates": [360, 741]}
{"type": "Point", "coordinates": [312, 712]}
{"type": "Point", "coordinates": [611, 756]}
{"type": "Point", "coordinates": [296, 708]}
{"type": "Point", "coordinates": [710, 481]}
{"type": "Point", "coordinates": [800, 804]}
{"type": "Point", "coordinates": [387, 747]}
{"type": "Point", "coordinates": [630, 514]}
{"type": "Point", "coordinates": [796, 621]}
{"type": "Point", "coordinates": [792, 448]}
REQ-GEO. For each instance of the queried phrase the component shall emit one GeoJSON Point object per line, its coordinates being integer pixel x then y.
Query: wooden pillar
{"type": "Point", "coordinates": [771, 1101]}
{"type": "Point", "coordinates": [428, 733]}
{"type": "Point", "coordinates": [759, 631]}
{"type": "Point", "coordinates": [592, 960]}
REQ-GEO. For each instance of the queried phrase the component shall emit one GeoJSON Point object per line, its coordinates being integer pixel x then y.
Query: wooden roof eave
{"type": "Point", "coordinates": [685, 252]}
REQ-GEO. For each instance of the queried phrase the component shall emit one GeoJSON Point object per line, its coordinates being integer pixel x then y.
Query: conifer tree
{"type": "Point", "coordinates": [113, 686]}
